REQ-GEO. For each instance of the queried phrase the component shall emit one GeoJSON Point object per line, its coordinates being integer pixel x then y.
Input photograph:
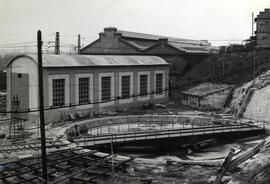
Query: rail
{"type": "Point", "coordinates": [63, 166]}
{"type": "Point", "coordinates": [30, 146]}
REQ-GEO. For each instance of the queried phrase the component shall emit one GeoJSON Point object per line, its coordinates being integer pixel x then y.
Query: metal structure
{"type": "Point", "coordinates": [64, 166]}
{"type": "Point", "coordinates": [16, 128]}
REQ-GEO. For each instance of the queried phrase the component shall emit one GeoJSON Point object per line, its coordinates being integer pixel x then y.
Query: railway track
{"type": "Point", "coordinates": [64, 166]}
{"type": "Point", "coordinates": [30, 146]}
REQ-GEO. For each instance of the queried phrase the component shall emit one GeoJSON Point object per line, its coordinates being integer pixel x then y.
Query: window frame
{"type": "Point", "coordinates": [50, 87]}
{"type": "Point", "coordinates": [146, 97]}
{"type": "Point", "coordinates": [91, 91]}
{"type": "Point", "coordinates": [106, 89]}
{"type": "Point", "coordinates": [131, 89]}
{"type": "Point", "coordinates": [58, 101]}
{"type": "Point", "coordinates": [108, 74]}
{"type": "Point", "coordinates": [84, 92]}
{"type": "Point", "coordinates": [162, 94]}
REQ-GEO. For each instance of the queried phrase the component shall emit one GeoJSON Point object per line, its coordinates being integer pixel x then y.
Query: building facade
{"type": "Point", "coordinates": [86, 84]}
{"type": "Point", "coordinates": [182, 54]}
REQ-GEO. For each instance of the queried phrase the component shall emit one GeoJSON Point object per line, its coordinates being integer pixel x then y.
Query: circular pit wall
{"type": "Point", "coordinates": [84, 127]}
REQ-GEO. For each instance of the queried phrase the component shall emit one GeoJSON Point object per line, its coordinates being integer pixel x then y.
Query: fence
{"type": "Point", "coordinates": [3, 101]}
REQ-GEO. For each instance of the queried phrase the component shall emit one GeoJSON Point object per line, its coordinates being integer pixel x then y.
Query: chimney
{"type": "Point", "coordinates": [163, 42]}
{"type": "Point", "coordinates": [108, 32]}
{"type": "Point", "coordinates": [110, 29]}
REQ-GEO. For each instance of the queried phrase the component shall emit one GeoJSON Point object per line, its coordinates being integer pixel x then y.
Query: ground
{"type": "Point", "coordinates": [175, 166]}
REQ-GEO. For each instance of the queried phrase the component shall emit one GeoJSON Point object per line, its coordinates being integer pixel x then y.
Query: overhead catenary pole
{"type": "Point", "coordinates": [79, 44]}
{"type": "Point", "coordinates": [41, 109]}
{"type": "Point", "coordinates": [57, 43]}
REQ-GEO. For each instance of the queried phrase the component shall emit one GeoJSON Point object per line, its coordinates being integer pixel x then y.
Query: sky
{"type": "Point", "coordinates": [219, 21]}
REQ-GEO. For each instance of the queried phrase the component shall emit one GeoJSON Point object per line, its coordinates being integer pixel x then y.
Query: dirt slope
{"type": "Point", "coordinates": [238, 68]}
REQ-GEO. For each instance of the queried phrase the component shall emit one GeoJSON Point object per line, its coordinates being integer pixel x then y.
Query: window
{"type": "Point", "coordinates": [83, 90]}
{"type": "Point", "coordinates": [159, 83]}
{"type": "Point", "coordinates": [106, 88]}
{"type": "Point", "coordinates": [125, 86]}
{"type": "Point", "coordinates": [143, 85]}
{"type": "Point", "coordinates": [58, 86]}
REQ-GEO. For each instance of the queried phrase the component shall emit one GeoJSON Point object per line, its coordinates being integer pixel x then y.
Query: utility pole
{"type": "Point", "coordinates": [254, 62]}
{"type": "Point", "coordinates": [113, 174]}
{"type": "Point", "coordinates": [41, 109]}
{"type": "Point", "coordinates": [210, 65]}
{"type": "Point", "coordinates": [223, 67]}
{"type": "Point", "coordinates": [57, 43]}
{"type": "Point", "coordinates": [79, 44]}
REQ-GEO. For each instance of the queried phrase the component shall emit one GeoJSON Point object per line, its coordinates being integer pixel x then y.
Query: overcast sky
{"type": "Point", "coordinates": [193, 19]}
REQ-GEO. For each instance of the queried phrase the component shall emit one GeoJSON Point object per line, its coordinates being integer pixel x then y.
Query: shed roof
{"type": "Point", "coordinates": [189, 48]}
{"type": "Point", "coordinates": [130, 34]}
{"type": "Point", "coordinates": [95, 60]}
{"type": "Point", "coordinates": [206, 88]}
{"type": "Point", "coordinates": [144, 41]}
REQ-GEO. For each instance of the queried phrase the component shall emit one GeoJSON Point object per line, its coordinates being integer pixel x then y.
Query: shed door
{"type": "Point", "coordinates": [20, 88]}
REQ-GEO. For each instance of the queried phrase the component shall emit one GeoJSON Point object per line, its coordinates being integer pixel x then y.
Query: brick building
{"type": "Point", "coordinates": [95, 83]}
{"type": "Point", "coordinates": [183, 54]}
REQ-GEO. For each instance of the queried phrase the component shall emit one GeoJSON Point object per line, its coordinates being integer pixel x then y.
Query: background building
{"type": "Point", "coordinates": [116, 81]}
{"type": "Point", "coordinates": [263, 29]}
{"type": "Point", "coordinates": [206, 96]}
{"type": "Point", "coordinates": [183, 54]}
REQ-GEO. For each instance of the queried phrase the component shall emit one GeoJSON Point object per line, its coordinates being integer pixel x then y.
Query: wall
{"type": "Point", "coordinates": [259, 105]}
{"type": "Point", "coordinates": [57, 115]}
{"type": "Point", "coordinates": [215, 100]}
{"type": "Point", "coordinates": [26, 87]}
{"type": "Point", "coordinates": [191, 101]}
